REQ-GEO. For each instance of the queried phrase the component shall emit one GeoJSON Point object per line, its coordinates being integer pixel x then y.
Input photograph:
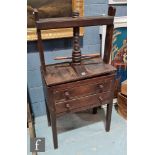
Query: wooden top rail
{"type": "Point", "coordinates": [69, 22]}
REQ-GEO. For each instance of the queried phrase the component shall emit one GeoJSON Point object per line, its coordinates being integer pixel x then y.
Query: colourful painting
{"type": "Point", "coordinates": [119, 52]}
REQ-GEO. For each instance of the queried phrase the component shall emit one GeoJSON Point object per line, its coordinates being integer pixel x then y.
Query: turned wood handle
{"type": "Point", "coordinates": [61, 58]}
{"type": "Point", "coordinates": [100, 99]}
{"type": "Point", "coordinates": [91, 55]}
{"type": "Point", "coordinates": [82, 56]}
{"type": "Point", "coordinates": [67, 95]}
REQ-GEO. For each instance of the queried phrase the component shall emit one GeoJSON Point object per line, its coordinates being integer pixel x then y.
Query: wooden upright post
{"type": "Point", "coordinates": [109, 36]}
{"type": "Point", "coordinates": [39, 42]}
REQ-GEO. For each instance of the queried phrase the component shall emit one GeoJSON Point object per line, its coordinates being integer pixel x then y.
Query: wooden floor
{"type": "Point", "coordinates": [84, 134]}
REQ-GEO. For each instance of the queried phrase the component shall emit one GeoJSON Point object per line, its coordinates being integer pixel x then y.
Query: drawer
{"type": "Point", "coordinates": [88, 101]}
{"type": "Point", "coordinates": [83, 88]}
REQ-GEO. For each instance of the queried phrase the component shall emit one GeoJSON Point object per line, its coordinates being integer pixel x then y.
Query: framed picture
{"type": "Point", "coordinates": [52, 9]}
{"type": "Point", "coordinates": [117, 1]}
{"type": "Point", "coordinates": [120, 24]}
{"type": "Point", "coordinates": [119, 49]}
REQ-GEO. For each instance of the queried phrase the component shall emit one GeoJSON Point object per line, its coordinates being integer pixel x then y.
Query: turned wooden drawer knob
{"type": "Point", "coordinates": [100, 99]}
{"type": "Point", "coordinates": [68, 106]}
{"type": "Point", "coordinates": [101, 87]}
{"type": "Point", "coordinates": [67, 95]}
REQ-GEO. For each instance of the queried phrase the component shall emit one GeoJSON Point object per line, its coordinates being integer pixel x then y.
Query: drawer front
{"type": "Point", "coordinates": [84, 88]}
{"type": "Point", "coordinates": [88, 101]}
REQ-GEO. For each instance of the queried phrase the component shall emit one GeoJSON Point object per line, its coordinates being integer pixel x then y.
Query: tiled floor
{"type": "Point", "coordinates": [84, 134]}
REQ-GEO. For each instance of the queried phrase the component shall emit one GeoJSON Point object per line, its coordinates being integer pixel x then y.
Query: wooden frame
{"type": "Point", "coordinates": [120, 21]}
{"type": "Point", "coordinates": [61, 33]}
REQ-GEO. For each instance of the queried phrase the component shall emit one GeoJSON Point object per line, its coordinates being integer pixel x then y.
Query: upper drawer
{"type": "Point", "coordinates": [83, 88]}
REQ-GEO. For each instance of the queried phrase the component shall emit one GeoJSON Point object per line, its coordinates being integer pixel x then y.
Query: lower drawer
{"type": "Point", "coordinates": [96, 99]}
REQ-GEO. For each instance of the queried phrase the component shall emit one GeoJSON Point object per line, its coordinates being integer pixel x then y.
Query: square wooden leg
{"type": "Point", "coordinates": [48, 114]}
{"type": "Point", "coordinates": [95, 110]}
{"type": "Point", "coordinates": [54, 129]}
{"type": "Point", "coordinates": [108, 116]}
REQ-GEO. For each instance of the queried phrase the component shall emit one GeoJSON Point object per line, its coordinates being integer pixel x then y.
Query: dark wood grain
{"type": "Point", "coordinates": [48, 114]}
{"type": "Point", "coordinates": [64, 72]}
{"type": "Point", "coordinates": [79, 84]}
{"type": "Point", "coordinates": [90, 87]}
{"type": "Point", "coordinates": [39, 43]}
{"type": "Point", "coordinates": [83, 101]}
{"type": "Point", "coordinates": [109, 36]}
{"type": "Point", "coordinates": [68, 22]}
{"type": "Point", "coordinates": [52, 110]}
{"type": "Point", "coordinates": [76, 53]}
{"type": "Point", "coordinates": [108, 116]}
{"type": "Point", "coordinates": [89, 81]}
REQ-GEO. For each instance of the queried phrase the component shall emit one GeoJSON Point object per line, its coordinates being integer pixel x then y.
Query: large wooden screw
{"type": "Point", "coordinates": [76, 53]}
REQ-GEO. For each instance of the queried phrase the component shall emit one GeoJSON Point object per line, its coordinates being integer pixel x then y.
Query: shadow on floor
{"type": "Point", "coordinates": [80, 119]}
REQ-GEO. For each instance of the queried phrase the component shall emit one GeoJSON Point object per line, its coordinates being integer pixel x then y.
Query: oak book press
{"type": "Point", "coordinates": [83, 83]}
